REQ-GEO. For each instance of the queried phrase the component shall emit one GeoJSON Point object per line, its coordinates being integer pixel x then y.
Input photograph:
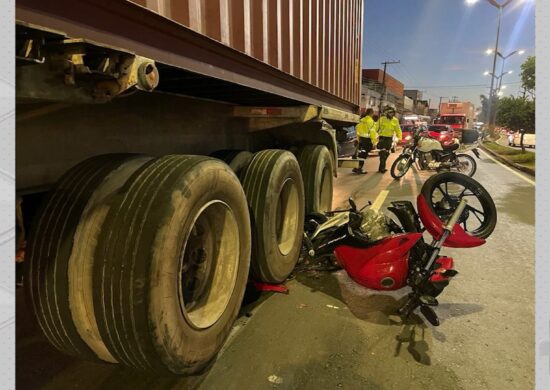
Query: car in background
{"type": "Point", "coordinates": [347, 140]}
{"type": "Point", "coordinates": [436, 130]}
{"type": "Point", "coordinates": [407, 132]}
{"type": "Point", "coordinates": [528, 140]}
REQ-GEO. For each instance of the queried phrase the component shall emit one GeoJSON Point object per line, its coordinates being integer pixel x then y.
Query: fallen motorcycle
{"type": "Point", "coordinates": [381, 254]}
{"type": "Point", "coordinates": [434, 152]}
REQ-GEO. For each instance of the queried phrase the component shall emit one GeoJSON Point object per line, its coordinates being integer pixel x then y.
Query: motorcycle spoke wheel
{"type": "Point", "coordinates": [445, 191]}
{"type": "Point", "coordinates": [400, 166]}
{"type": "Point", "coordinates": [466, 164]}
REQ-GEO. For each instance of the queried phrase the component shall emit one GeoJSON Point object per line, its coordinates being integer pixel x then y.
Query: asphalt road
{"type": "Point", "coordinates": [328, 332]}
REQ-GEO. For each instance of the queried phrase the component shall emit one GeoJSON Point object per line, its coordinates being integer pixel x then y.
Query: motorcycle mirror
{"type": "Point", "coordinates": [352, 204]}
{"type": "Point", "coordinates": [369, 203]}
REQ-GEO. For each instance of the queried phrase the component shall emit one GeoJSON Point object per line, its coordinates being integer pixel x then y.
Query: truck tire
{"type": "Point", "coordinates": [317, 167]}
{"type": "Point", "coordinates": [275, 192]}
{"type": "Point", "coordinates": [236, 159]}
{"type": "Point", "coordinates": [172, 263]}
{"type": "Point", "coordinates": [60, 256]}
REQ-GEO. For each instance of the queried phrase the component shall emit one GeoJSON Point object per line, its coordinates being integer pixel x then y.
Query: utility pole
{"type": "Point", "coordinates": [383, 97]}
{"type": "Point", "coordinates": [439, 106]}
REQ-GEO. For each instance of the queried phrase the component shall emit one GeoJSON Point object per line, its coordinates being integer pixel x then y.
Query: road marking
{"type": "Point", "coordinates": [510, 169]}
{"type": "Point", "coordinates": [380, 200]}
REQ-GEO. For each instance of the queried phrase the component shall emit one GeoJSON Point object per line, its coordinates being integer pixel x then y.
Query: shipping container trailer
{"type": "Point", "coordinates": [165, 149]}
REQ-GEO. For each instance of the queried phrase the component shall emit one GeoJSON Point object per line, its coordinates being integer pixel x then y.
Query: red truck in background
{"type": "Point", "coordinates": [459, 115]}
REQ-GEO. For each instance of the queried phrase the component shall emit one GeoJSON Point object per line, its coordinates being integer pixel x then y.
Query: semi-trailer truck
{"type": "Point", "coordinates": [166, 150]}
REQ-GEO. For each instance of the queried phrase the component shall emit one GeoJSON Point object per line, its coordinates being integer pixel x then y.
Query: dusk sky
{"type": "Point", "coordinates": [441, 44]}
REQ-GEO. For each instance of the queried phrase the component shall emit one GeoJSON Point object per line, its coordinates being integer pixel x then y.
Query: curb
{"type": "Point", "coordinates": [508, 162]}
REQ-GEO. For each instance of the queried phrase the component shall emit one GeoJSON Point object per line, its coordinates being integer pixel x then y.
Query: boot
{"type": "Point", "coordinates": [383, 157]}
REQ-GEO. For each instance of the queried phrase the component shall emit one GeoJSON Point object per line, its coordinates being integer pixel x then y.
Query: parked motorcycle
{"type": "Point", "coordinates": [434, 152]}
{"type": "Point", "coordinates": [381, 254]}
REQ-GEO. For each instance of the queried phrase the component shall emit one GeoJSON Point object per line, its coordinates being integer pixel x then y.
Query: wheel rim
{"type": "Point", "coordinates": [401, 166]}
{"type": "Point", "coordinates": [325, 197]}
{"type": "Point", "coordinates": [465, 165]}
{"type": "Point", "coordinates": [209, 265]}
{"type": "Point", "coordinates": [446, 196]}
{"type": "Point", "coordinates": [288, 207]}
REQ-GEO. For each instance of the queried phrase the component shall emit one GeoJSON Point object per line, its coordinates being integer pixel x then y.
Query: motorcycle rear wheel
{"type": "Point", "coordinates": [401, 166]}
{"type": "Point", "coordinates": [466, 164]}
{"type": "Point", "coordinates": [443, 193]}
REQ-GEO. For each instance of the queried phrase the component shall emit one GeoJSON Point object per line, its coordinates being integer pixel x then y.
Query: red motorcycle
{"type": "Point", "coordinates": [381, 254]}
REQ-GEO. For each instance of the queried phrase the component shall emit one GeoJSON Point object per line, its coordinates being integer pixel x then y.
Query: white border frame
{"type": "Point", "coordinates": [542, 269]}
{"type": "Point", "coordinates": [7, 194]}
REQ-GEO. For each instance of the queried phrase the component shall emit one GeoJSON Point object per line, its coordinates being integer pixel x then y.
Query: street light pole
{"type": "Point", "coordinates": [504, 58]}
{"type": "Point", "coordinates": [489, 109]}
{"type": "Point", "coordinates": [383, 97]}
{"type": "Point", "coordinates": [500, 7]}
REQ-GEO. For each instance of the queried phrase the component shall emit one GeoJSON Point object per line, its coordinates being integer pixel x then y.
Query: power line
{"type": "Point", "coordinates": [459, 86]}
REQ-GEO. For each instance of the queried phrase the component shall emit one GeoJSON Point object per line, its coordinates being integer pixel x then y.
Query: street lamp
{"type": "Point", "coordinates": [498, 78]}
{"type": "Point", "coordinates": [504, 58]}
{"type": "Point", "coordinates": [500, 7]}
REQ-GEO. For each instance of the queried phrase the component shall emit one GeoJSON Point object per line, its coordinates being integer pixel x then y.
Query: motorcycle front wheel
{"type": "Point", "coordinates": [401, 166]}
{"type": "Point", "coordinates": [466, 164]}
{"type": "Point", "coordinates": [444, 191]}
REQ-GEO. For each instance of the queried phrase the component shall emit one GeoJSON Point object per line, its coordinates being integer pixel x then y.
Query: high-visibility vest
{"type": "Point", "coordinates": [388, 127]}
{"type": "Point", "coordinates": [365, 128]}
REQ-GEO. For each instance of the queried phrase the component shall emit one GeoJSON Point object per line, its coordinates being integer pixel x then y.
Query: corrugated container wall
{"type": "Point", "coordinates": [317, 41]}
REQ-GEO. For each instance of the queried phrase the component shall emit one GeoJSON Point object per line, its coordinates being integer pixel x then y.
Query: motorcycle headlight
{"type": "Point", "coordinates": [408, 138]}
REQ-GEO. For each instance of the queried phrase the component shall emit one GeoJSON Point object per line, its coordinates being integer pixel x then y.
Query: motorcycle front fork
{"type": "Point", "coordinates": [421, 277]}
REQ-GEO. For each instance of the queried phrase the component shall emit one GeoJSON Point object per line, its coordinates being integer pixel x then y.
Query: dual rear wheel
{"type": "Point", "coordinates": [144, 261]}
{"type": "Point", "coordinates": [141, 261]}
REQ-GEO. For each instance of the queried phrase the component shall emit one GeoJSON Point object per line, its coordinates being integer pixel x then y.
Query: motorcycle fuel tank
{"type": "Point", "coordinates": [383, 266]}
{"type": "Point", "coordinates": [426, 145]}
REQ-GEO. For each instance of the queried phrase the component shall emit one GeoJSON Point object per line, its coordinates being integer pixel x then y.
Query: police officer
{"type": "Point", "coordinates": [366, 138]}
{"type": "Point", "coordinates": [386, 127]}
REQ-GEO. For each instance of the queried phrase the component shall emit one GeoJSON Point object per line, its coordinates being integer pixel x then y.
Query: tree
{"type": "Point", "coordinates": [517, 114]}
{"type": "Point", "coordinates": [484, 108]}
{"type": "Point", "coordinates": [483, 116]}
{"type": "Point", "coordinates": [528, 75]}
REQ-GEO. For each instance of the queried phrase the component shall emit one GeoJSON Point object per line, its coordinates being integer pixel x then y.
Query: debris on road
{"type": "Point", "coordinates": [276, 380]}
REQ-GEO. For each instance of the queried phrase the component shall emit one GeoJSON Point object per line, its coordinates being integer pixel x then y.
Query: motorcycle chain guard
{"type": "Point", "coordinates": [382, 266]}
{"type": "Point", "coordinates": [458, 237]}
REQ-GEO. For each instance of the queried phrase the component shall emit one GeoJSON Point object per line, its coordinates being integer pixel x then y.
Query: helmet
{"type": "Point", "coordinates": [389, 110]}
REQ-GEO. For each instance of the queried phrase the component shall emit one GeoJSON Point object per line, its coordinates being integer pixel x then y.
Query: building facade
{"type": "Point", "coordinates": [373, 89]}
